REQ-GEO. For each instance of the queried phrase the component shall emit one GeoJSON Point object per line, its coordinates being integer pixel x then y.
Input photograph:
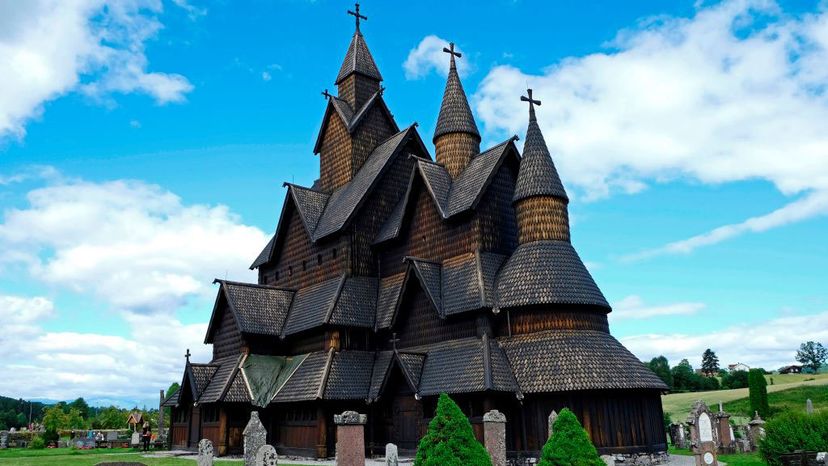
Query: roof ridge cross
{"type": "Point", "coordinates": [357, 16]}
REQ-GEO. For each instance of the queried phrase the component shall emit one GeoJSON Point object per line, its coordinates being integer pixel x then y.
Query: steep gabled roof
{"type": "Point", "coordinates": [264, 256]}
{"type": "Point", "coordinates": [428, 273]}
{"type": "Point", "coordinates": [350, 376]}
{"type": "Point", "coordinates": [566, 360]}
{"type": "Point", "coordinates": [379, 374]}
{"type": "Point", "coordinates": [455, 113]}
{"type": "Point", "coordinates": [388, 300]}
{"type": "Point", "coordinates": [537, 175]}
{"type": "Point", "coordinates": [357, 303]}
{"type": "Point", "coordinates": [358, 60]}
{"type": "Point", "coordinates": [546, 272]}
{"type": "Point", "coordinates": [221, 379]}
{"type": "Point", "coordinates": [451, 198]}
{"type": "Point", "coordinates": [172, 400]}
{"type": "Point", "coordinates": [350, 118]}
{"type": "Point", "coordinates": [309, 203]}
{"type": "Point", "coordinates": [257, 309]}
{"type": "Point", "coordinates": [197, 376]}
{"type": "Point", "coordinates": [308, 380]}
{"type": "Point", "coordinates": [349, 301]}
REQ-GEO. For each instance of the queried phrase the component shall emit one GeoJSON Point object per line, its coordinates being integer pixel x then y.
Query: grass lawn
{"type": "Point", "coordinates": [677, 405]}
{"type": "Point", "coordinates": [65, 456]}
{"type": "Point", "coordinates": [792, 399]}
{"type": "Point", "coordinates": [744, 459]}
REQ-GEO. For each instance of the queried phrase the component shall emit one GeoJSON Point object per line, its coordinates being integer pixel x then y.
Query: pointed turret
{"type": "Point", "coordinates": [540, 198]}
{"type": "Point", "coordinates": [358, 77]}
{"type": "Point", "coordinates": [456, 139]}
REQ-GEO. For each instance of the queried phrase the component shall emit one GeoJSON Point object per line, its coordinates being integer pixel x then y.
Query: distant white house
{"type": "Point", "coordinates": [738, 367]}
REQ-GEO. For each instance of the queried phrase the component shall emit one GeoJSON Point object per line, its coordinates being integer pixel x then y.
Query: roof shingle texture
{"type": "Point", "coordinates": [220, 380]}
{"type": "Point", "coordinates": [358, 60]}
{"type": "Point", "coordinates": [237, 393]}
{"type": "Point", "coordinates": [546, 272]}
{"type": "Point", "coordinates": [390, 290]}
{"type": "Point", "coordinates": [382, 362]}
{"type": "Point", "coordinates": [537, 175]}
{"type": "Point", "coordinates": [456, 366]}
{"type": "Point", "coordinates": [311, 306]}
{"type": "Point", "coordinates": [202, 373]}
{"type": "Point", "coordinates": [412, 364]}
{"type": "Point", "coordinates": [566, 360]}
{"type": "Point", "coordinates": [350, 376]}
{"type": "Point", "coordinates": [304, 384]}
{"type": "Point", "coordinates": [455, 113]}
{"type": "Point", "coordinates": [310, 204]}
{"type": "Point", "coordinates": [264, 255]}
{"type": "Point", "coordinates": [357, 303]}
{"type": "Point", "coordinates": [260, 309]}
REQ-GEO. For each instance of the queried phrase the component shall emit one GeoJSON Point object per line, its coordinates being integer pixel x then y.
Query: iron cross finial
{"type": "Point", "coordinates": [356, 15]}
{"type": "Point", "coordinates": [187, 355]}
{"type": "Point", "coordinates": [450, 50]}
{"type": "Point", "coordinates": [529, 99]}
{"type": "Point", "coordinates": [394, 341]}
{"type": "Point", "coordinates": [327, 94]}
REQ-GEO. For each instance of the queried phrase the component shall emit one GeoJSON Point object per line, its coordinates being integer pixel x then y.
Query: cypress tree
{"type": "Point", "coordinates": [450, 440]}
{"type": "Point", "coordinates": [758, 389]}
{"type": "Point", "coordinates": [569, 444]}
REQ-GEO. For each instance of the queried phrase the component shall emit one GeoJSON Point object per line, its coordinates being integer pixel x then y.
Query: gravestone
{"type": "Point", "coordinates": [255, 436]}
{"type": "Point", "coordinates": [205, 452]}
{"type": "Point", "coordinates": [703, 437]}
{"type": "Point", "coordinates": [112, 436]}
{"type": "Point", "coordinates": [392, 457]}
{"type": "Point", "coordinates": [756, 429]}
{"type": "Point", "coordinates": [809, 406]}
{"type": "Point", "coordinates": [161, 434]}
{"type": "Point", "coordinates": [677, 436]}
{"type": "Point", "coordinates": [4, 439]}
{"type": "Point", "coordinates": [727, 441]}
{"type": "Point", "coordinates": [136, 439]}
{"type": "Point", "coordinates": [266, 456]}
{"type": "Point", "coordinates": [551, 421]}
{"type": "Point", "coordinates": [494, 436]}
{"type": "Point", "coordinates": [350, 438]}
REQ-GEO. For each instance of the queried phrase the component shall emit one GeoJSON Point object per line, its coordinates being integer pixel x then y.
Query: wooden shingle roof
{"type": "Point", "coordinates": [537, 175]}
{"type": "Point", "coordinates": [455, 114]}
{"type": "Point", "coordinates": [358, 60]}
{"type": "Point", "coordinates": [257, 309]}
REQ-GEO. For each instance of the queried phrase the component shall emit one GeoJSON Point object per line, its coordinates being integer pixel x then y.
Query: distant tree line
{"type": "Point", "coordinates": [684, 378]}
{"type": "Point", "coordinates": [15, 413]}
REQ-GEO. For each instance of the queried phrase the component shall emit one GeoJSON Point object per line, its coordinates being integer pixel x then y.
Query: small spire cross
{"type": "Point", "coordinates": [356, 15]}
{"type": "Point", "coordinates": [394, 341]}
{"type": "Point", "coordinates": [532, 102]}
{"type": "Point", "coordinates": [187, 355]}
{"type": "Point", "coordinates": [450, 50]}
{"type": "Point", "coordinates": [327, 94]}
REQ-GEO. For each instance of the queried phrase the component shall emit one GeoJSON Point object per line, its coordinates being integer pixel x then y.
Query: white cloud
{"type": "Point", "coordinates": [633, 307]}
{"type": "Point", "coordinates": [770, 344]}
{"type": "Point", "coordinates": [131, 244]}
{"type": "Point", "coordinates": [428, 56]}
{"type": "Point", "coordinates": [266, 76]}
{"type": "Point", "coordinates": [737, 92]}
{"type": "Point", "coordinates": [51, 48]}
{"type": "Point", "coordinates": [21, 315]}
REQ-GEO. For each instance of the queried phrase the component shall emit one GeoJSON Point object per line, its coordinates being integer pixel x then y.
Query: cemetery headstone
{"type": "Point", "coordinates": [809, 406]}
{"type": "Point", "coordinates": [551, 421]}
{"type": "Point", "coordinates": [4, 439]}
{"type": "Point", "coordinates": [205, 452]}
{"type": "Point", "coordinates": [726, 439]}
{"type": "Point", "coordinates": [255, 436]}
{"type": "Point", "coordinates": [112, 436]}
{"type": "Point", "coordinates": [161, 432]}
{"type": "Point", "coordinates": [494, 436]}
{"type": "Point", "coordinates": [756, 429]}
{"type": "Point", "coordinates": [703, 437]}
{"type": "Point", "coordinates": [677, 435]}
{"type": "Point", "coordinates": [136, 440]}
{"type": "Point", "coordinates": [266, 456]}
{"type": "Point", "coordinates": [392, 457]}
{"type": "Point", "coordinates": [350, 438]}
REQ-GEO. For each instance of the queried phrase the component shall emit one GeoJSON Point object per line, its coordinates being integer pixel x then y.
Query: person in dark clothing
{"type": "Point", "coordinates": [146, 434]}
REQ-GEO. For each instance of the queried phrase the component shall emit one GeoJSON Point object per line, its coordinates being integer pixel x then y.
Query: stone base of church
{"type": "Point", "coordinates": [636, 459]}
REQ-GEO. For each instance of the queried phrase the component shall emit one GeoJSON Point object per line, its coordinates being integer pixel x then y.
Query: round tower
{"type": "Point", "coordinates": [540, 199]}
{"type": "Point", "coordinates": [456, 139]}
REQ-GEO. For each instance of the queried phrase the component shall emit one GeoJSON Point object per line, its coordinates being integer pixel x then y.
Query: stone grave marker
{"type": "Point", "coordinates": [266, 456]}
{"type": "Point", "coordinates": [255, 437]}
{"type": "Point", "coordinates": [205, 452]}
{"type": "Point", "coordinates": [350, 438]}
{"type": "Point", "coordinates": [494, 436]}
{"type": "Point", "coordinates": [727, 441]}
{"type": "Point", "coordinates": [161, 431]}
{"type": "Point", "coordinates": [553, 416]}
{"type": "Point", "coordinates": [703, 437]}
{"type": "Point", "coordinates": [809, 406]}
{"type": "Point", "coordinates": [392, 457]}
{"type": "Point", "coordinates": [112, 436]}
{"type": "Point", "coordinates": [4, 439]}
{"type": "Point", "coordinates": [136, 439]}
{"type": "Point", "coordinates": [756, 429]}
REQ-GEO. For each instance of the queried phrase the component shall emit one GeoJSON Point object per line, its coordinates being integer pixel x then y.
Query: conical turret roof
{"type": "Point", "coordinates": [455, 113]}
{"type": "Point", "coordinates": [358, 60]}
{"type": "Point", "coordinates": [537, 175]}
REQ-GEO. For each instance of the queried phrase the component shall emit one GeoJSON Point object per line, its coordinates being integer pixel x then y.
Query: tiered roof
{"type": "Point", "coordinates": [455, 114]}
{"type": "Point", "coordinates": [538, 175]}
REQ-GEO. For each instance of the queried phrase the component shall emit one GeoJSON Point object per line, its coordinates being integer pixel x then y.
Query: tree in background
{"type": "Point", "coordinates": [450, 440]}
{"type": "Point", "coordinates": [812, 355]}
{"type": "Point", "coordinates": [168, 411]}
{"type": "Point", "coordinates": [81, 406]}
{"type": "Point", "coordinates": [569, 444]}
{"type": "Point", "coordinates": [661, 367]}
{"type": "Point", "coordinates": [758, 389]}
{"type": "Point", "coordinates": [735, 379]}
{"type": "Point", "coordinates": [110, 418]}
{"type": "Point", "coordinates": [683, 375]}
{"type": "Point", "coordinates": [710, 363]}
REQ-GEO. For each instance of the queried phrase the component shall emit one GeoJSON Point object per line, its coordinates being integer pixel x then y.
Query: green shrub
{"type": "Point", "coordinates": [37, 443]}
{"type": "Point", "coordinates": [450, 440]}
{"type": "Point", "coordinates": [791, 431]}
{"type": "Point", "coordinates": [569, 444]}
{"type": "Point", "coordinates": [51, 435]}
{"type": "Point", "coordinates": [758, 390]}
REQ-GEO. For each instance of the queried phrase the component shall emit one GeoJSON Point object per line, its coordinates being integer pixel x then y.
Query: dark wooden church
{"type": "Point", "coordinates": [398, 276]}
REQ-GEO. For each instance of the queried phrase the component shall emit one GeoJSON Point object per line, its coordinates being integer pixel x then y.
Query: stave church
{"type": "Point", "coordinates": [401, 274]}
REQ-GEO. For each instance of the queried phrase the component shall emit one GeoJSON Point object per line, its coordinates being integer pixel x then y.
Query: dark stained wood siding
{"type": "Point", "coordinates": [227, 340]}
{"type": "Point", "coordinates": [543, 318]}
{"type": "Point", "coordinates": [419, 324]}
{"type": "Point", "coordinates": [495, 216]}
{"type": "Point", "coordinates": [372, 130]}
{"type": "Point", "coordinates": [335, 166]}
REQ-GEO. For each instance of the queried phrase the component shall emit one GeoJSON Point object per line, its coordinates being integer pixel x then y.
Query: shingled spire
{"type": "Point", "coordinates": [358, 77]}
{"type": "Point", "coordinates": [456, 139]}
{"type": "Point", "coordinates": [540, 199]}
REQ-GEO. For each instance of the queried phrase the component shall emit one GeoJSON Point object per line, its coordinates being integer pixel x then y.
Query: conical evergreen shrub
{"type": "Point", "coordinates": [450, 440]}
{"type": "Point", "coordinates": [569, 444]}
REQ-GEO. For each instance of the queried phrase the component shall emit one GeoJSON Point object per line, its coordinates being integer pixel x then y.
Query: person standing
{"type": "Point", "coordinates": [146, 434]}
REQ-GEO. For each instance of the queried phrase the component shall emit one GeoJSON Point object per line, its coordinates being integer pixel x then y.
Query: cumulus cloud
{"type": "Point", "coordinates": [20, 315]}
{"type": "Point", "coordinates": [428, 56]}
{"type": "Point", "coordinates": [133, 245]}
{"type": "Point", "coordinates": [769, 344]}
{"type": "Point", "coordinates": [633, 307]}
{"type": "Point", "coordinates": [736, 92]}
{"type": "Point", "coordinates": [51, 48]}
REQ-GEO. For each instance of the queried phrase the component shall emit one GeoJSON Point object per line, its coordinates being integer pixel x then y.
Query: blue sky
{"type": "Point", "coordinates": [143, 147]}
